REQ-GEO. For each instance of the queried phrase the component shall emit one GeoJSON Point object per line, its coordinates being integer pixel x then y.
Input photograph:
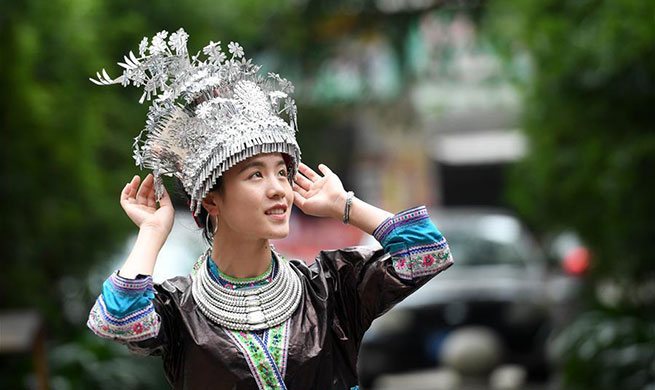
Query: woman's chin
{"type": "Point", "coordinates": [277, 230]}
{"type": "Point", "coordinates": [279, 235]}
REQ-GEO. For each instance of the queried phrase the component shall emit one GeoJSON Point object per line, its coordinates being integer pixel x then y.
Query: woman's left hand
{"type": "Point", "coordinates": [316, 195]}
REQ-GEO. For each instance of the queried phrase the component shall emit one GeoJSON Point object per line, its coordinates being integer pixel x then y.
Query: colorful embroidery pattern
{"type": "Point", "coordinates": [139, 325]}
{"type": "Point", "coordinates": [197, 265]}
{"type": "Point", "coordinates": [266, 355]}
{"type": "Point", "coordinates": [277, 341]}
{"type": "Point", "coordinates": [121, 284]}
{"type": "Point", "coordinates": [403, 218]}
{"type": "Point", "coordinates": [422, 260]}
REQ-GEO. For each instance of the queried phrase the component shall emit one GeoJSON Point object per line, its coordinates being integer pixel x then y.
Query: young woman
{"type": "Point", "coordinates": [246, 317]}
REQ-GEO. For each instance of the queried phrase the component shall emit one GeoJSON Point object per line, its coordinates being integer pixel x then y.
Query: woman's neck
{"type": "Point", "coordinates": [239, 257]}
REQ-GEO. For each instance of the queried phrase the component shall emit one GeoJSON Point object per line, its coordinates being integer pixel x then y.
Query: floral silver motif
{"type": "Point", "coordinates": [207, 115]}
{"type": "Point", "coordinates": [235, 49]}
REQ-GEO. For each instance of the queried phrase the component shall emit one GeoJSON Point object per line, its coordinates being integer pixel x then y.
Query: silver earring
{"type": "Point", "coordinates": [207, 224]}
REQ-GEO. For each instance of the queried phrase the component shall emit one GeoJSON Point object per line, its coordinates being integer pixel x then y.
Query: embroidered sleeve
{"type": "Point", "coordinates": [416, 247]}
{"type": "Point", "coordinates": [124, 310]}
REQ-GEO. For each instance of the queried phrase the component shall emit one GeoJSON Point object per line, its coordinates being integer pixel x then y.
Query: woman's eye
{"type": "Point", "coordinates": [258, 174]}
{"type": "Point", "coordinates": [283, 172]}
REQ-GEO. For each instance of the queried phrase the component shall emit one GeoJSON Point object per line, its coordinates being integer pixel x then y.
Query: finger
{"type": "Point", "coordinates": [131, 187]}
{"type": "Point", "coordinates": [125, 193]}
{"type": "Point", "coordinates": [152, 201]}
{"type": "Point", "coordinates": [144, 190]}
{"type": "Point", "coordinates": [300, 190]}
{"type": "Point", "coordinates": [302, 181]}
{"type": "Point", "coordinates": [307, 171]}
{"type": "Point", "coordinates": [324, 169]}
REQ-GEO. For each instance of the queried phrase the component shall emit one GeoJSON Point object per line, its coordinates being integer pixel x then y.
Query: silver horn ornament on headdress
{"type": "Point", "coordinates": [208, 115]}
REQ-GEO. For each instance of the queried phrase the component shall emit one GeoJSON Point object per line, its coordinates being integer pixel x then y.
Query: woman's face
{"type": "Point", "coordinates": [257, 198]}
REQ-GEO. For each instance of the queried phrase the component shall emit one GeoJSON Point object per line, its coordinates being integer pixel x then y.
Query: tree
{"type": "Point", "coordinates": [588, 116]}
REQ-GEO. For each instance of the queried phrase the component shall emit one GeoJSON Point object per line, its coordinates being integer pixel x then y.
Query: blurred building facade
{"type": "Point", "coordinates": [438, 122]}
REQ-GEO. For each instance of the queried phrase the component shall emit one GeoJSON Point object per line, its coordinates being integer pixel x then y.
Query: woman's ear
{"type": "Point", "coordinates": [211, 204]}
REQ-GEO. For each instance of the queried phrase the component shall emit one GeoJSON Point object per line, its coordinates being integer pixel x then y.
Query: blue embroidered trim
{"type": "Point", "coordinates": [285, 349]}
{"type": "Point", "coordinates": [422, 260]}
{"type": "Point", "coordinates": [122, 320]}
{"type": "Point", "coordinates": [403, 218]}
{"type": "Point", "coordinates": [433, 247]}
{"type": "Point", "coordinates": [121, 284]}
{"type": "Point", "coordinates": [276, 370]}
{"type": "Point", "coordinates": [140, 325]}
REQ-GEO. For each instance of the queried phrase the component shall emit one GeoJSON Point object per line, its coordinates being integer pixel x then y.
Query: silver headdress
{"type": "Point", "coordinates": [207, 115]}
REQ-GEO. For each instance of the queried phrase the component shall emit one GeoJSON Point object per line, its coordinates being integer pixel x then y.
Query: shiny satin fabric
{"type": "Point", "coordinates": [343, 292]}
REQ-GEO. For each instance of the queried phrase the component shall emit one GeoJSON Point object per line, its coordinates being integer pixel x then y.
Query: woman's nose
{"type": "Point", "coordinates": [275, 188]}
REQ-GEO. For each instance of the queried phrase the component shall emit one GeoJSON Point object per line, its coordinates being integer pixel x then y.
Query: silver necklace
{"type": "Point", "coordinates": [253, 309]}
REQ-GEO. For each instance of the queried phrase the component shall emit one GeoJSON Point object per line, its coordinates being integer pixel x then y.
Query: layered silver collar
{"type": "Point", "coordinates": [248, 309]}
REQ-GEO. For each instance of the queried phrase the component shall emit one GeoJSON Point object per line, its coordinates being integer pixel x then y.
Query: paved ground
{"type": "Point", "coordinates": [446, 380]}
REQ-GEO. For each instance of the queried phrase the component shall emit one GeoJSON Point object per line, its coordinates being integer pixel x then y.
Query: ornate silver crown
{"type": "Point", "coordinates": [207, 115]}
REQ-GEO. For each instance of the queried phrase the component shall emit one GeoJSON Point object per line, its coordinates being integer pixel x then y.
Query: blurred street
{"type": "Point", "coordinates": [444, 380]}
{"type": "Point", "coordinates": [439, 380]}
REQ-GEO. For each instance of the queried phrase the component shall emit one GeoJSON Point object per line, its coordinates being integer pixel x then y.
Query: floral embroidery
{"type": "Point", "coordinates": [422, 260]}
{"type": "Point", "coordinates": [416, 247]}
{"type": "Point", "coordinates": [266, 355]}
{"type": "Point", "coordinates": [140, 325]}
{"type": "Point", "coordinates": [428, 260]}
{"type": "Point", "coordinates": [277, 342]}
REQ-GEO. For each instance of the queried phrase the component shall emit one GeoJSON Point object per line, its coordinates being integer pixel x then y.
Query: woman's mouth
{"type": "Point", "coordinates": [278, 212]}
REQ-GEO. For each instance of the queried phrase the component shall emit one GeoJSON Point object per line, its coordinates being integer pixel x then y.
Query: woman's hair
{"type": "Point", "coordinates": [206, 224]}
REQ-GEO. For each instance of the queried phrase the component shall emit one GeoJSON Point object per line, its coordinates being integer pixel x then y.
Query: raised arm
{"type": "Point", "coordinates": [124, 310]}
{"type": "Point", "coordinates": [154, 224]}
{"type": "Point", "coordinates": [368, 282]}
{"type": "Point", "coordinates": [324, 196]}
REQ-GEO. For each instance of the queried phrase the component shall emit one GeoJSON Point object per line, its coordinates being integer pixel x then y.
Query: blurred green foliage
{"type": "Point", "coordinates": [588, 115]}
{"type": "Point", "coordinates": [60, 159]}
{"type": "Point", "coordinates": [607, 350]}
{"type": "Point", "coordinates": [89, 362]}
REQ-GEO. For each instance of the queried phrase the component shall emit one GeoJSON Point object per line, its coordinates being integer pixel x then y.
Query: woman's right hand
{"type": "Point", "coordinates": [140, 205]}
